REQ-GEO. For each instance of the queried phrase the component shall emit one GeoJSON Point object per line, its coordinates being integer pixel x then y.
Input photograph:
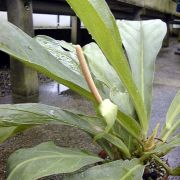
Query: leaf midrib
{"type": "Point", "coordinates": [130, 171]}
{"type": "Point", "coordinates": [142, 62]}
{"type": "Point", "coordinates": [46, 157]}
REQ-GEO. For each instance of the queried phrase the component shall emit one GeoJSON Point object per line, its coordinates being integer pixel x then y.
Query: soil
{"type": "Point", "coordinates": [154, 171]}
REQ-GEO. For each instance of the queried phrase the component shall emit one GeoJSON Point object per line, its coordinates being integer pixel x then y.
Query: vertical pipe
{"type": "Point", "coordinates": [75, 30]}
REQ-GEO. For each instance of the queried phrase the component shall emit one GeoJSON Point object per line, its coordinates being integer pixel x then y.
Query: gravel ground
{"type": "Point", "coordinates": [5, 83]}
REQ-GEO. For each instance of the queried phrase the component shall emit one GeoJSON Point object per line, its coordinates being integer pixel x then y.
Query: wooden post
{"type": "Point", "coordinates": [75, 29]}
{"type": "Point", "coordinates": [24, 79]}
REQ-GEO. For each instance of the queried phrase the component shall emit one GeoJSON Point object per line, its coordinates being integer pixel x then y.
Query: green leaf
{"type": "Point", "coordinates": [175, 171]}
{"type": "Point", "coordinates": [46, 159]}
{"type": "Point", "coordinates": [172, 118]}
{"type": "Point", "coordinates": [103, 28]}
{"type": "Point", "coordinates": [142, 41]}
{"type": "Point", "coordinates": [117, 170]}
{"type": "Point", "coordinates": [169, 132]}
{"type": "Point", "coordinates": [118, 143]}
{"type": "Point", "coordinates": [100, 66]}
{"type": "Point", "coordinates": [16, 43]}
{"type": "Point", "coordinates": [6, 132]}
{"type": "Point", "coordinates": [130, 125]}
{"type": "Point", "coordinates": [31, 114]}
{"type": "Point", "coordinates": [57, 48]}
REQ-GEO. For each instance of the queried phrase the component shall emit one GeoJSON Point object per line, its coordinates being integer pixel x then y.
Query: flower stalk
{"type": "Point", "coordinates": [87, 74]}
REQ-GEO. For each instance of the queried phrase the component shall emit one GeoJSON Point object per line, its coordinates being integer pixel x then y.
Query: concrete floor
{"type": "Point", "coordinates": [166, 84]}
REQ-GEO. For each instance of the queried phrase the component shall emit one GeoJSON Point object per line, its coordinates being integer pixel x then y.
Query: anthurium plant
{"type": "Point", "coordinates": [119, 83]}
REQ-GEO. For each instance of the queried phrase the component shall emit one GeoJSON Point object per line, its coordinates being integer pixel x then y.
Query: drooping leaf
{"type": "Point", "coordinates": [6, 132]}
{"type": "Point", "coordinates": [16, 43]}
{"type": "Point", "coordinates": [172, 118]}
{"type": "Point", "coordinates": [35, 114]}
{"type": "Point", "coordinates": [142, 41]}
{"type": "Point", "coordinates": [46, 159]}
{"type": "Point", "coordinates": [103, 28]}
{"type": "Point", "coordinates": [117, 170]}
{"type": "Point", "coordinates": [31, 114]}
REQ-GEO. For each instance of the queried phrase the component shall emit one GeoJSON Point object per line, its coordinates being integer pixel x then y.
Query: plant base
{"type": "Point", "coordinates": [154, 171]}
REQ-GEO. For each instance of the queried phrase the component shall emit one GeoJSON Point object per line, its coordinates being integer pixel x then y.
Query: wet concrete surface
{"type": "Point", "coordinates": [167, 83]}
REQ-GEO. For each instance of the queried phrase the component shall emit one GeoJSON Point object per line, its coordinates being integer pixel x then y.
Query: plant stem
{"type": "Point", "coordinates": [87, 74]}
{"type": "Point", "coordinates": [166, 167]}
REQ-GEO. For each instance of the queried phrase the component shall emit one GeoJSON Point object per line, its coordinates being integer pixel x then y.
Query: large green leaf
{"type": "Point", "coordinates": [46, 159]}
{"type": "Point", "coordinates": [16, 43]}
{"type": "Point", "coordinates": [28, 115]}
{"type": "Point", "coordinates": [36, 114]}
{"type": "Point", "coordinates": [172, 118]}
{"type": "Point", "coordinates": [103, 28]}
{"type": "Point", "coordinates": [142, 41]}
{"type": "Point", "coordinates": [117, 170]}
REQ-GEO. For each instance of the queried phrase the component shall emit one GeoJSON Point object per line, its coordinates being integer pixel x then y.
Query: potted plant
{"type": "Point", "coordinates": [120, 90]}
